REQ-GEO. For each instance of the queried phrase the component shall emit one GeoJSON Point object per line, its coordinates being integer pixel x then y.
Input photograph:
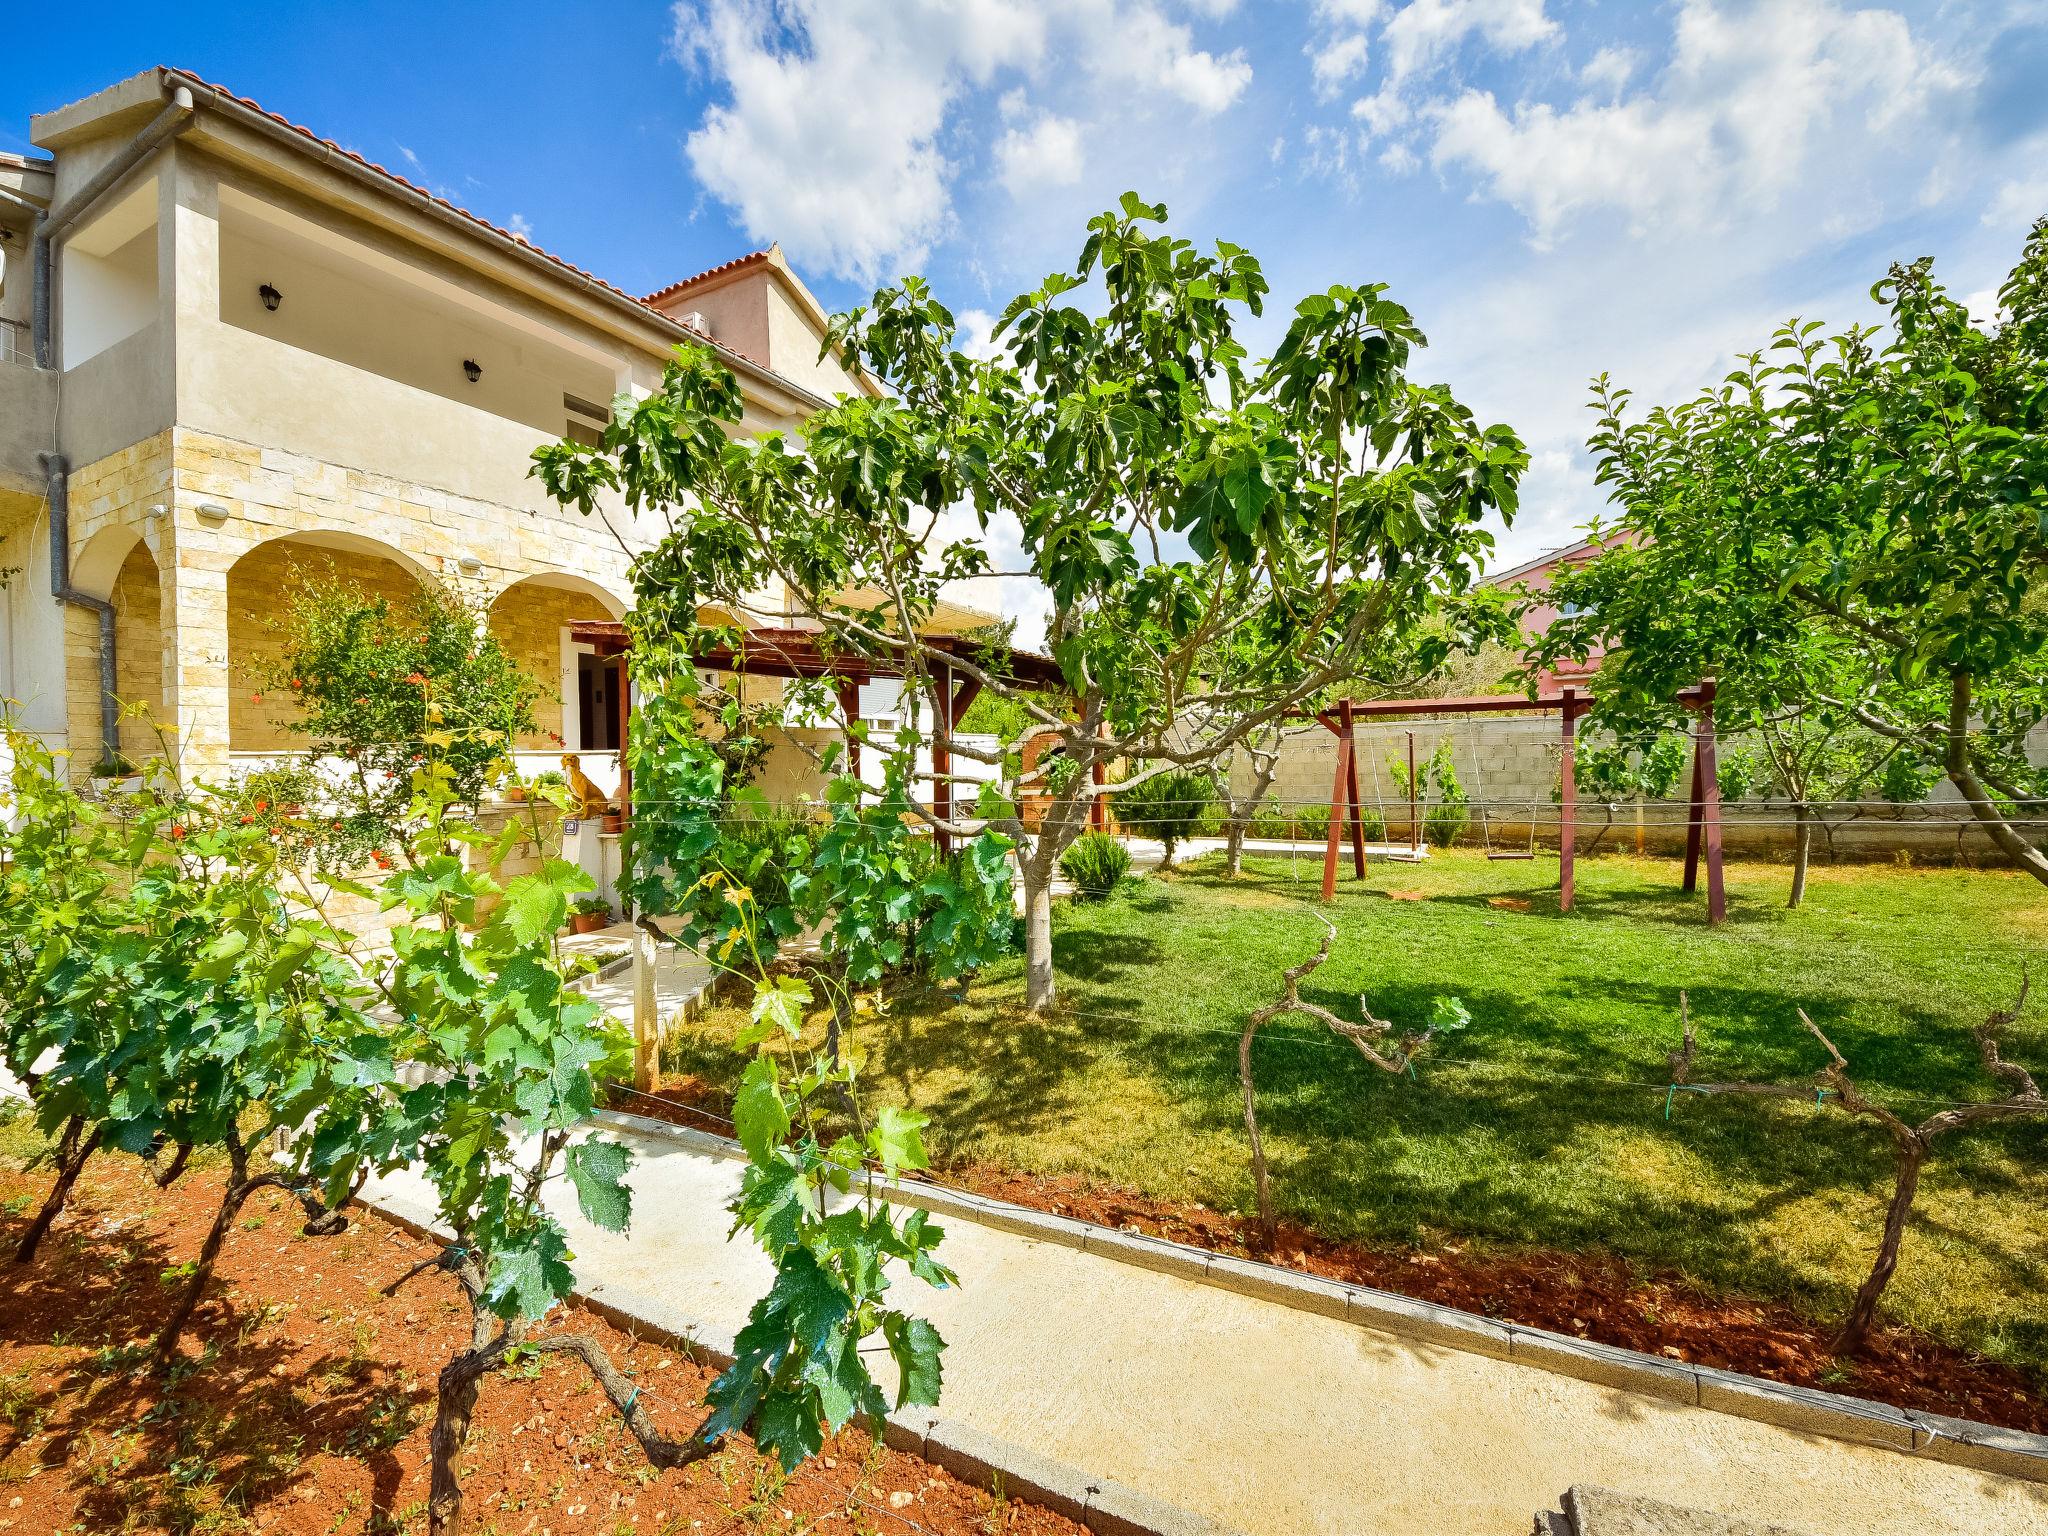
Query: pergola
{"type": "Point", "coordinates": [797, 653]}
{"type": "Point", "coordinates": [1703, 826]}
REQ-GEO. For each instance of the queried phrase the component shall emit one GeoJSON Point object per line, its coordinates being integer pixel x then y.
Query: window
{"type": "Point", "coordinates": [586, 422]}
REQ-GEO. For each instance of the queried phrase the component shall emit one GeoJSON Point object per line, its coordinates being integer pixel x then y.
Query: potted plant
{"type": "Point", "coordinates": [614, 820]}
{"type": "Point", "coordinates": [590, 914]}
{"type": "Point", "coordinates": [114, 774]}
{"type": "Point", "coordinates": [513, 788]}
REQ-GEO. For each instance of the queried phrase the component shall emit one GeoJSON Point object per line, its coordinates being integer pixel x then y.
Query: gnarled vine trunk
{"type": "Point", "coordinates": [71, 1157]}
{"type": "Point", "coordinates": [1912, 1156]}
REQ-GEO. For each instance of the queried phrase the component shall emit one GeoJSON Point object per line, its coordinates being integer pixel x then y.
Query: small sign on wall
{"type": "Point", "coordinates": [572, 826]}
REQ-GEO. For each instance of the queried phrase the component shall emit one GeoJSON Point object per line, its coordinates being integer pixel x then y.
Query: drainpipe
{"type": "Point", "coordinates": [172, 120]}
{"type": "Point", "coordinates": [58, 489]}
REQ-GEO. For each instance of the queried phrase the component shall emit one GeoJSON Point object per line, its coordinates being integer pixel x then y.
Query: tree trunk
{"type": "Point", "coordinates": [1912, 1153]}
{"type": "Point", "coordinates": [1038, 979]}
{"type": "Point", "coordinates": [1802, 850]}
{"type": "Point", "coordinates": [1961, 774]}
{"type": "Point", "coordinates": [238, 1190]}
{"type": "Point", "coordinates": [454, 1404]}
{"type": "Point", "coordinates": [71, 1156]}
{"type": "Point", "coordinates": [1268, 1226]}
{"type": "Point", "coordinates": [179, 1158]}
{"type": "Point", "coordinates": [1265, 766]}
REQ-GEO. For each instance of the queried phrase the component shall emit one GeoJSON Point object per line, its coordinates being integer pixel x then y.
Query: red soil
{"type": "Point", "coordinates": [309, 1408]}
{"type": "Point", "coordinates": [1590, 1296]}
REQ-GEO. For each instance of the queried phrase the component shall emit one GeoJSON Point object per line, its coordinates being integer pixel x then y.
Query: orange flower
{"type": "Point", "coordinates": [417, 678]}
{"type": "Point", "coordinates": [177, 832]}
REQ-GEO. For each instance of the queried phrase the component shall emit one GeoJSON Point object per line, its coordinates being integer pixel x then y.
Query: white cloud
{"type": "Point", "coordinates": [1610, 68]}
{"type": "Point", "coordinates": [1338, 60]}
{"type": "Point", "coordinates": [1014, 597]}
{"type": "Point", "coordinates": [1047, 154]}
{"type": "Point", "coordinates": [1382, 112]}
{"type": "Point", "coordinates": [977, 334]}
{"type": "Point", "coordinates": [1424, 33]}
{"type": "Point", "coordinates": [1752, 103]}
{"type": "Point", "coordinates": [838, 131]}
{"type": "Point", "coordinates": [1137, 44]}
{"type": "Point", "coordinates": [521, 226]}
{"type": "Point", "coordinates": [2017, 203]}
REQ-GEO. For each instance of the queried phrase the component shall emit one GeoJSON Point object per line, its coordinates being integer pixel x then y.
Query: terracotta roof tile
{"type": "Point", "coordinates": [723, 267]}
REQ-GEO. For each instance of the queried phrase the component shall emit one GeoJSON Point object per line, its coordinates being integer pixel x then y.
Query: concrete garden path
{"type": "Point", "coordinates": [1260, 1416]}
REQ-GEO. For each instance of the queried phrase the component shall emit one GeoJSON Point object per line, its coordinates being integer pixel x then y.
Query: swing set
{"type": "Point", "coordinates": [1570, 704]}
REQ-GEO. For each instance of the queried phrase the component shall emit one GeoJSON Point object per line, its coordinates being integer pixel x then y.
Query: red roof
{"type": "Point", "coordinates": [410, 186]}
{"type": "Point", "coordinates": [722, 268]}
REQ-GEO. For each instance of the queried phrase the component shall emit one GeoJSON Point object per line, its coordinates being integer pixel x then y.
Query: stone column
{"type": "Point", "coordinates": [194, 582]}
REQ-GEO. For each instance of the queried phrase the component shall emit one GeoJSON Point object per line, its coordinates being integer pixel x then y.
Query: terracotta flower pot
{"type": "Point", "coordinates": [516, 793]}
{"type": "Point", "coordinates": [612, 821]}
{"type": "Point", "coordinates": [589, 922]}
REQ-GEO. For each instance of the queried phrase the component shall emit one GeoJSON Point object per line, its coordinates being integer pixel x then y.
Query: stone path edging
{"type": "Point", "coordinates": [1105, 1507]}
{"type": "Point", "coordinates": [1964, 1442]}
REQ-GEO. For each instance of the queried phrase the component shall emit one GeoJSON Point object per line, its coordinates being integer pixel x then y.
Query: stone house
{"type": "Point", "coordinates": [230, 347]}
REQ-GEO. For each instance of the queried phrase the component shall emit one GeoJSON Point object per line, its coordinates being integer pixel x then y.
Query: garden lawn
{"type": "Point", "coordinates": [1544, 1123]}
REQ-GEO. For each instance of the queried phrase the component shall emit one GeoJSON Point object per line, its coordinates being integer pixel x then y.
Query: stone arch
{"type": "Point", "coordinates": [531, 619]}
{"type": "Point", "coordinates": [258, 589]}
{"type": "Point", "coordinates": [118, 564]}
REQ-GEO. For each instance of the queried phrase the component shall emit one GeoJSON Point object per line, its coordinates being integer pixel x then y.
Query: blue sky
{"type": "Point", "coordinates": [1555, 187]}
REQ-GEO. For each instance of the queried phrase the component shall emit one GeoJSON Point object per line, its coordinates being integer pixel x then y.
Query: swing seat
{"type": "Point", "coordinates": [1505, 855]}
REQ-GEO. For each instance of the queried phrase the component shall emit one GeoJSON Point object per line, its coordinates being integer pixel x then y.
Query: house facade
{"type": "Point", "coordinates": [230, 349]}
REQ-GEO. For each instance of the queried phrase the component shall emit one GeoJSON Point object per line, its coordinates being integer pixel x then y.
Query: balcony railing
{"type": "Point", "coordinates": [15, 344]}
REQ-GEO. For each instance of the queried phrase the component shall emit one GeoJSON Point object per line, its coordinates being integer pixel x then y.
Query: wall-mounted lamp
{"type": "Point", "coordinates": [270, 296]}
{"type": "Point", "coordinates": [469, 565]}
{"type": "Point", "coordinates": [156, 510]}
{"type": "Point", "coordinates": [211, 512]}
{"type": "Point", "coordinates": [471, 369]}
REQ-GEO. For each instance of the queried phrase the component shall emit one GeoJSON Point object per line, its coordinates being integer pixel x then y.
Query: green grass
{"type": "Point", "coordinates": [1543, 1123]}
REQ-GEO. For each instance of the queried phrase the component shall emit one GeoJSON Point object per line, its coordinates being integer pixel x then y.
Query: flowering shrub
{"type": "Point", "coordinates": [379, 685]}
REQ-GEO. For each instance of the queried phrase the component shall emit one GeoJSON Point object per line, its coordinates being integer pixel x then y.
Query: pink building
{"type": "Point", "coordinates": [1535, 577]}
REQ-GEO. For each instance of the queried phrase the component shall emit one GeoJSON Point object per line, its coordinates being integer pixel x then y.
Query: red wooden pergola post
{"type": "Point", "coordinates": [849, 707]}
{"type": "Point", "coordinates": [1351, 786]}
{"type": "Point", "coordinates": [1567, 799]}
{"type": "Point", "coordinates": [1344, 802]}
{"type": "Point", "coordinates": [953, 704]}
{"type": "Point", "coordinates": [1335, 831]}
{"type": "Point", "coordinates": [1703, 817]}
{"type": "Point", "coordinates": [622, 711]}
{"type": "Point", "coordinates": [1098, 804]}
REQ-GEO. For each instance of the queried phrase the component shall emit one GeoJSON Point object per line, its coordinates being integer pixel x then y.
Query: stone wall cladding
{"type": "Point", "coordinates": [269, 493]}
{"type": "Point", "coordinates": [116, 493]}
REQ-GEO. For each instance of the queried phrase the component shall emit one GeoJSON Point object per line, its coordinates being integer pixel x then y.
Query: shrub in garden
{"type": "Point", "coordinates": [380, 685]}
{"type": "Point", "coordinates": [1095, 862]}
{"type": "Point", "coordinates": [1170, 805]}
{"type": "Point", "coordinates": [1445, 807]}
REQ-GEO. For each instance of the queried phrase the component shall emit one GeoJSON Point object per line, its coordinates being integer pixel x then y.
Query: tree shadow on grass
{"type": "Point", "coordinates": [227, 1427]}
